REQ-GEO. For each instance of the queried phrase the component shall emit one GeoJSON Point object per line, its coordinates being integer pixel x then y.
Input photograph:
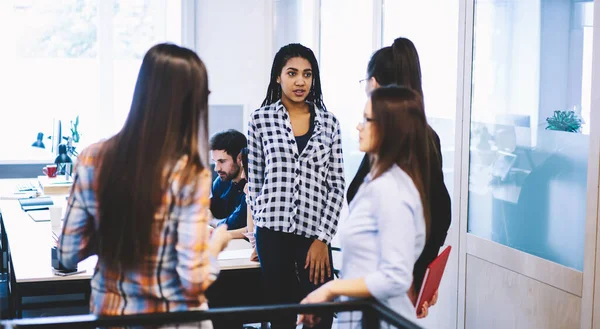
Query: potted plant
{"type": "Point", "coordinates": [74, 130]}
{"type": "Point", "coordinates": [564, 120]}
{"type": "Point", "coordinates": [74, 138]}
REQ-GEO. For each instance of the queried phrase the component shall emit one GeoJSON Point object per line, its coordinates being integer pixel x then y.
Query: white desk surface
{"type": "Point", "coordinates": [30, 244]}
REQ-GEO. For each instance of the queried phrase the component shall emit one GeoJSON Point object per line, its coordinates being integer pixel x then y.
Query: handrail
{"type": "Point", "coordinates": [373, 313]}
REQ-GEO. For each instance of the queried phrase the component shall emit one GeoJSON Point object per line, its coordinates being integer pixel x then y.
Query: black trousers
{"type": "Point", "coordinates": [282, 258]}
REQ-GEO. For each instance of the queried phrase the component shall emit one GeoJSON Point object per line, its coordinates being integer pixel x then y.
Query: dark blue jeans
{"type": "Point", "coordinates": [282, 257]}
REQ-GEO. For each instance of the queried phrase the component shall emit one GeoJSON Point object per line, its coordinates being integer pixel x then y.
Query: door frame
{"type": "Point", "coordinates": [590, 311]}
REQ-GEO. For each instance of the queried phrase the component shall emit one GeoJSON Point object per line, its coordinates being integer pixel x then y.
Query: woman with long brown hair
{"type": "Point", "coordinates": [388, 219]}
{"type": "Point", "coordinates": [399, 64]}
{"type": "Point", "coordinates": [140, 200]}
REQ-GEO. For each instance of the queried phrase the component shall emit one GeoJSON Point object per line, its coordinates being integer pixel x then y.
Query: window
{"type": "Point", "coordinates": [73, 58]}
{"type": "Point", "coordinates": [528, 149]}
{"type": "Point", "coordinates": [295, 21]}
{"type": "Point", "coordinates": [346, 46]}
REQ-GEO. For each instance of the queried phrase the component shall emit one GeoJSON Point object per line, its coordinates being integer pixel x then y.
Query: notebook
{"type": "Point", "coordinates": [432, 278]}
{"type": "Point", "coordinates": [39, 215]}
{"type": "Point", "coordinates": [40, 203]}
{"type": "Point", "coordinates": [57, 185]}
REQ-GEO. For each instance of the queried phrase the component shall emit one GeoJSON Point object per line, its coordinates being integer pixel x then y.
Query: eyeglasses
{"type": "Point", "coordinates": [364, 121]}
{"type": "Point", "coordinates": [363, 82]}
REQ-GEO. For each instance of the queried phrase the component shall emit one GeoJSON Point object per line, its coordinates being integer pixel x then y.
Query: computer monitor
{"type": "Point", "coordinates": [56, 135]}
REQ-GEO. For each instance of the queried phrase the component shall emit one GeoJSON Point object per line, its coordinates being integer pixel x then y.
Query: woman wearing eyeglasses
{"type": "Point", "coordinates": [399, 64]}
{"type": "Point", "coordinates": [388, 219]}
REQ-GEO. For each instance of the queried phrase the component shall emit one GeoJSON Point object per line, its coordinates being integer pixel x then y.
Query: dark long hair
{"type": "Point", "coordinates": [399, 64]}
{"type": "Point", "coordinates": [400, 134]}
{"type": "Point", "coordinates": [167, 120]}
{"type": "Point", "coordinates": [281, 58]}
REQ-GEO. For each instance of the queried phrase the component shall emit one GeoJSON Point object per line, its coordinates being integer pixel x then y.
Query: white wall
{"type": "Point", "coordinates": [234, 39]}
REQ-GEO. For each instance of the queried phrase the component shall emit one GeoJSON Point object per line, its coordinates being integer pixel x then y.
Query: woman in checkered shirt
{"type": "Point", "coordinates": [296, 180]}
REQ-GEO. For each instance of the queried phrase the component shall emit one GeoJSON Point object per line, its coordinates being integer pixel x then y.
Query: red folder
{"type": "Point", "coordinates": [432, 278]}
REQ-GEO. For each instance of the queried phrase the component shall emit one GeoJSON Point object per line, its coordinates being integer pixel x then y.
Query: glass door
{"type": "Point", "coordinates": [527, 162]}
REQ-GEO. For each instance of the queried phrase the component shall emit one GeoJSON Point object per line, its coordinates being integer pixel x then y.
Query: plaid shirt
{"type": "Point", "coordinates": [291, 192]}
{"type": "Point", "coordinates": [172, 279]}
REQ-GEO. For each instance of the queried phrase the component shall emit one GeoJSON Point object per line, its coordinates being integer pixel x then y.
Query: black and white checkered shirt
{"type": "Point", "coordinates": [291, 192]}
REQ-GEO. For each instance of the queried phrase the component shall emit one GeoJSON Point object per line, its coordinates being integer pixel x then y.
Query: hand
{"type": "Point", "coordinates": [424, 311]}
{"type": "Point", "coordinates": [219, 239]}
{"type": "Point", "coordinates": [317, 260]}
{"type": "Point", "coordinates": [434, 299]}
{"type": "Point", "coordinates": [320, 295]}
{"type": "Point", "coordinates": [246, 189]}
{"type": "Point", "coordinates": [254, 256]}
{"type": "Point", "coordinates": [251, 238]}
{"type": "Point", "coordinates": [213, 222]}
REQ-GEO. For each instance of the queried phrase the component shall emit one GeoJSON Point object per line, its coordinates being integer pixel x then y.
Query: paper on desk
{"type": "Point", "coordinates": [235, 254]}
{"type": "Point", "coordinates": [18, 195]}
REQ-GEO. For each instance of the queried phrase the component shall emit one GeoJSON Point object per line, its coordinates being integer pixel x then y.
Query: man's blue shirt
{"type": "Point", "coordinates": [228, 203]}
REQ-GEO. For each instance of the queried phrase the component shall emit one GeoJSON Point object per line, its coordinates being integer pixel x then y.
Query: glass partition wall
{"type": "Point", "coordinates": [530, 124]}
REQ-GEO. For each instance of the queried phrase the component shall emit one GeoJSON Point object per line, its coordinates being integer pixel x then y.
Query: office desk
{"type": "Point", "coordinates": [30, 270]}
